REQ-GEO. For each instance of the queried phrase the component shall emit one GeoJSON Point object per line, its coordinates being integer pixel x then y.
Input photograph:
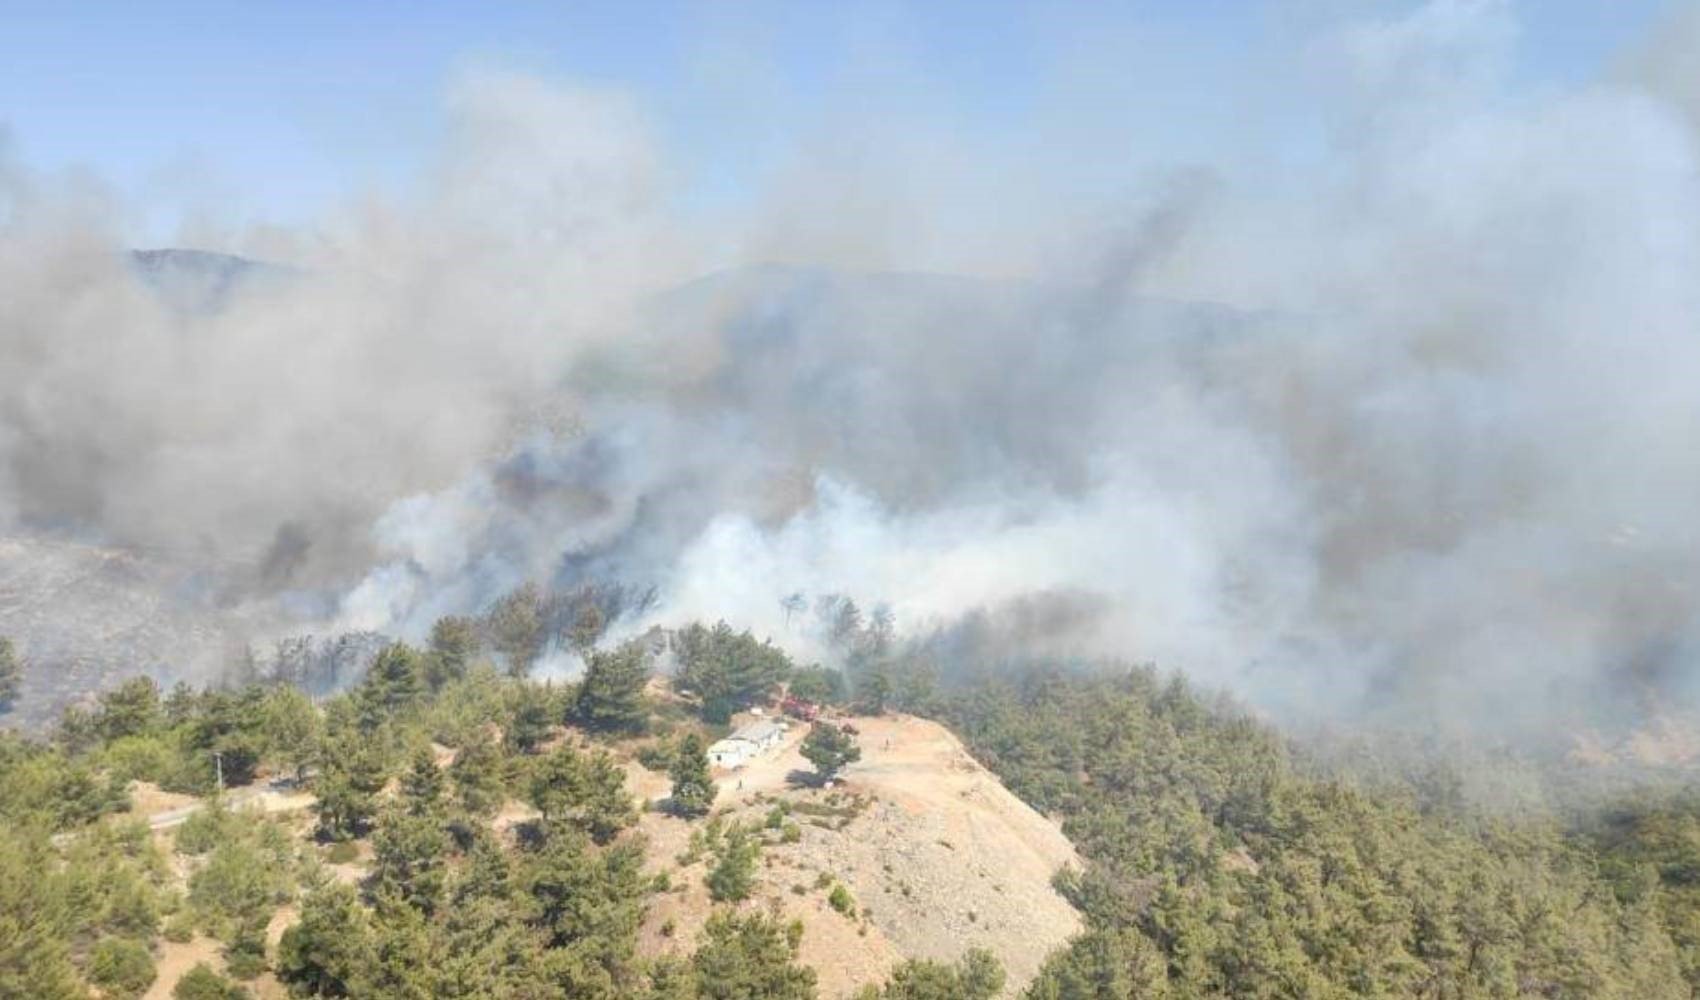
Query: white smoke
{"type": "Point", "coordinates": [1406, 421]}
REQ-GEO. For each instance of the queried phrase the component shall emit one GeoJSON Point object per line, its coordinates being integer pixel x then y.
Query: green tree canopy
{"type": "Point", "coordinates": [584, 791]}
{"type": "Point", "coordinates": [422, 783]}
{"type": "Point", "coordinates": [610, 697]}
{"type": "Point", "coordinates": [453, 645]}
{"type": "Point", "coordinates": [821, 685]}
{"type": "Point", "coordinates": [733, 874]}
{"type": "Point", "coordinates": [409, 859]}
{"type": "Point", "coordinates": [534, 712]}
{"type": "Point", "coordinates": [328, 952]}
{"type": "Point", "coordinates": [693, 789]}
{"type": "Point", "coordinates": [976, 976]}
{"type": "Point", "coordinates": [479, 775]}
{"type": "Point", "coordinates": [394, 683]}
{"type": "Point", "coordinates": [829, 748]}
{"type": "Point", "coordinates": [355, 770]}
{"type": "Point", "coordinates": [728, 670]}
{"type": "Point", "coordinates": [202, 983]}
{"type": "Point", "coordinates": [290, 729]}
{"type": "Point", "coordinates": [750, 957]}
{"type": "Point", "coordinates": [121, 968]}
{"type": "Point", "coordinates": [130, 709]}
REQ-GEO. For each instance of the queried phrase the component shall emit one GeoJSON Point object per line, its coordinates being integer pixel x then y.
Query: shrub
{"type": "Point", "coordinates": [657, 756]}
{"type": "Point", "coordinates": [143, 758]}
{"type": "Point", "coordinates": [731, 879]}
{"type": "Point", "coordinates": [342, 852]}
{"type": "Point", "coordinates": [180, 927]}
{"type": "Point", "coordinates": [245, 962]}
{"type": "Point", "coordinates": [202, 983]}
{"type": "Point", "coordinates": [121, 968]}
{"type": "Point", "coordinates": [841, 900]}
{"type": "Point", "coordinates": [203, 830]}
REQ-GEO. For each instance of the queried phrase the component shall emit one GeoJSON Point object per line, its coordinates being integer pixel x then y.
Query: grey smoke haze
{"type": "Point", "coordinates": [1406, 422]}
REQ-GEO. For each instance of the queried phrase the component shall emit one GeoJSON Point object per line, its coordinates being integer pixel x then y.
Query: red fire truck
{"type": "Point", "coordinates": [798, 708]}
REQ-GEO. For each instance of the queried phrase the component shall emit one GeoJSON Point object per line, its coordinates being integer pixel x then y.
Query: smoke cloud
{"type": "Point", "coordinates": [1398, 417]}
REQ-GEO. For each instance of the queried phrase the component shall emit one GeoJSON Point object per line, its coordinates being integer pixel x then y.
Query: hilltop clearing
{"type": "Point", "coordinates": [937, 855]}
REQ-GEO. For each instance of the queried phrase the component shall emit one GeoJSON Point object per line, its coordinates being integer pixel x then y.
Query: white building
{"type": "Point", "coordinates": [747, 742]}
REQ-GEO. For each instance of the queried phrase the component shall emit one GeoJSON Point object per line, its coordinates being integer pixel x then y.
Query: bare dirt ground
{"type": "Point", "coordinates": [177, 959]}
{"type": "Point", "coordinates": [938, 855]}
{"type": "Point", "coordinates": [164, 810]}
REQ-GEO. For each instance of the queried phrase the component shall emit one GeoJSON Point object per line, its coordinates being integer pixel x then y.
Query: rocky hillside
{"type": "Point", "coordinates": [83, 615]}
{"type": "Point", "coordinates": [937, 855]}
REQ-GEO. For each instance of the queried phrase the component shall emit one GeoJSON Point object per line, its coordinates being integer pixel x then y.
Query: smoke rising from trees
{"type": "Point", "coordinates": [1397, 415]}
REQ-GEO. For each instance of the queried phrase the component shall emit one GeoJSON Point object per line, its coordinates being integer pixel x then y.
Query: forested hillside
{"type": "Point", "coordinates": [470, 834]}
{"type": "Point", "coordinates": [1218, 867]}
{"type": "Point", "coordinates": [465, 834]}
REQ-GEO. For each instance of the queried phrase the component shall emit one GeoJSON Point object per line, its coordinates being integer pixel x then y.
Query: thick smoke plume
{"type": "Point", "coordinates": [1400, 422]}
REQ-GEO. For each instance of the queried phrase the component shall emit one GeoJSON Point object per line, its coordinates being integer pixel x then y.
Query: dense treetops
{"type": "Point", "coordinates": [1217, 862]}
{"type": "Point", "coordinates": [412, 762]}
{"type": "Point", "coordinates": [1217, 868]}
{"type": "Point", "coordinates": [727, 670]}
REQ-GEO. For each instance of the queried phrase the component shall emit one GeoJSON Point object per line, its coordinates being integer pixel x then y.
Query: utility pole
{"type": "Point", "coordinates": [218, 765]}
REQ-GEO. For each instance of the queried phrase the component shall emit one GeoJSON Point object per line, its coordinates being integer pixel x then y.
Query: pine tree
{"type": "Point", "coordinates": [422, 784]}
{"type": "Point", "coordinates": [329, 950]}
{"type": "Point", "coordinates": [588, 793]}
{"type": "Point", "coordinates": [453, 644]}
{"type": "Point", "coordinates": [486, 876]}
{"type": "Point", "coordinates": [588, 626]}
{"type": "Point", "coordinates": [515, 625]}
{"type": "Point", "coordinates": [829, 749]}
{"type": "Point", "coordinates": [611, 695]}
{"type": "Point", "coordinates": [35, 915]}
{"type": "Point", "coordinates": [130, 709]}
{"type": "Point", "coordinates": [693, 789]}
{"type": "Point", "coordinates": [588, 899]}
{"type": "Point", "coordinates": [121, 968]}
{"type": "Point", "coordinates": [534, 713]}
{"type": "Point", "coordinates": [290, 729]}
{"type": "Point", "coordinates": [202, 983]}
{"type": "Point", "coordinates": [734, 874]}
{"type": "Point", "coordinates": [409, 852]}
{"type": "Point", "coordinates": [479, 776]}
{"type": "Point", "coordinates": [558, 782]}
{"type": "Point", "coordinates": [977, 976]}
{"type": "Point", "coordinates": [728, 670]}
{"type": "Point", "coordinates": [394, 683]}
{"type": "Point", "coordinates": [742, 957]}
{"type": "Point", "coordinates": [354, 772]}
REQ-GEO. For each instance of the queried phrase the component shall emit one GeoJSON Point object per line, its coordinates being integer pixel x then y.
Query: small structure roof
{"type": "Point", "coordinates": [759, 731]}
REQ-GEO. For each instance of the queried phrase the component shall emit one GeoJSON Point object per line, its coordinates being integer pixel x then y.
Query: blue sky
{"type": "Point", "coordinates": [272, 109]}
